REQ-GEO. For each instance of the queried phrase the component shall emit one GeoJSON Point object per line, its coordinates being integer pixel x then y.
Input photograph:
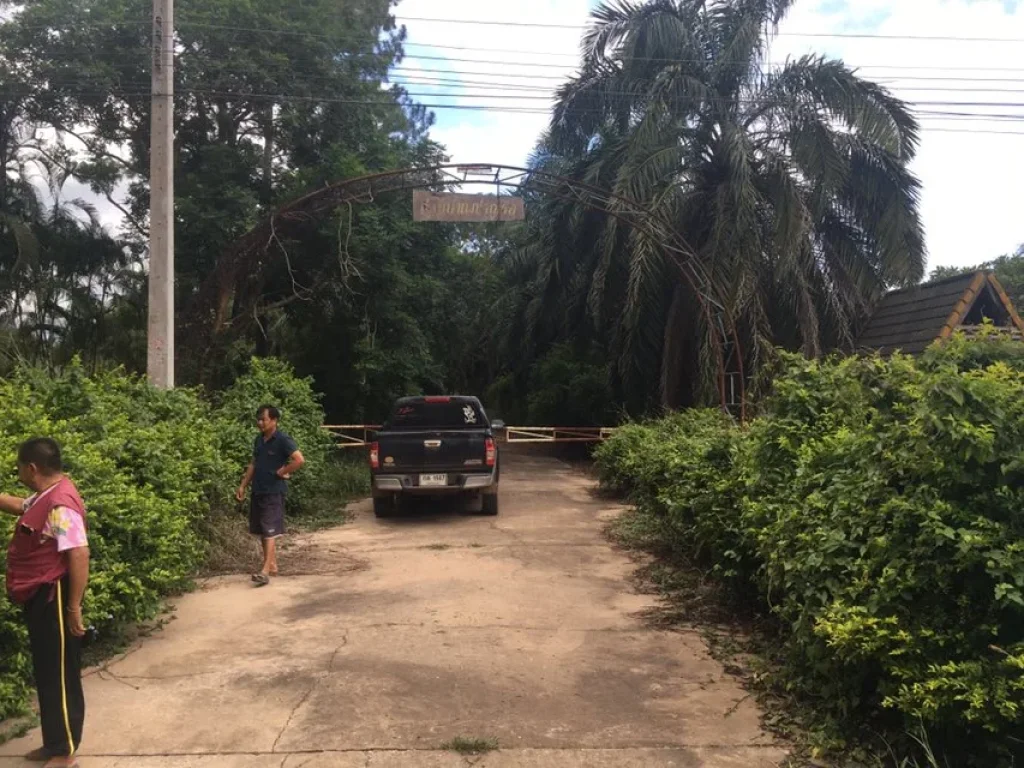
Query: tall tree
{"type": "Point", "coordinates": [790, 185]}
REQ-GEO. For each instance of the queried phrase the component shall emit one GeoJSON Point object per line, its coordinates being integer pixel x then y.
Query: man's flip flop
{"type": "Point", "coordinates": [260, 579]}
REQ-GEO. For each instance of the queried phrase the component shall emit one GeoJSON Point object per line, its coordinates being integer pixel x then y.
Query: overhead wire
{"type": "Point", "coordinates": [923, 115]}
{"type": "Point", "coordinates": [445, 88]}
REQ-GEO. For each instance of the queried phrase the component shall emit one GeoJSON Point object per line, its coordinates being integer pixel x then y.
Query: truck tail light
{"type": "Point", "coordinates": [375, 456]}
{"type": "Point", "coordinates": [437, 399]}
{"type": "Point", "coordinates": [492, 452]}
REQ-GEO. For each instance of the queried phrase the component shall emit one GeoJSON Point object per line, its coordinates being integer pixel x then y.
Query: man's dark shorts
{"type": "Point", "coordinates": [266, 515]}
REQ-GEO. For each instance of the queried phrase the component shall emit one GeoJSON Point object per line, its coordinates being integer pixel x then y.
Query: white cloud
{"type": "Point", "coordinates": [969, 203]}
{"type": "Point", "coordinates": [549, 58]}
{"type": "Point", "coordinates": [970, 200]}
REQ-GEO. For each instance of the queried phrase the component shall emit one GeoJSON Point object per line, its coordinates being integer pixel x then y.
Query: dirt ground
{"type": "Point", "coordinates": [383, 640]}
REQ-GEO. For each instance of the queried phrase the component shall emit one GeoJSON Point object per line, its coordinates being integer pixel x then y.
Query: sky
{"type": "Point", "coordinates": [970, 167]}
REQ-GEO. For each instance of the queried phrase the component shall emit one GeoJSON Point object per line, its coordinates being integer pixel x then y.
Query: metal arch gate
{"type": "Point", "coordinates": [210, 315]}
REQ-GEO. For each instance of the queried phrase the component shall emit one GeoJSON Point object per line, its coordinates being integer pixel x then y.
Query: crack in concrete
{"type": "Point", "coordinates": [166, 677]}
{"type": "Point", "coordinates": [521, 627]}
{"type": "Point", "coordinates": [494, 545]}
{"type": "Point", "coordinates": [101, 672]}
{"type": "Point", "coordinates": [300, 765]}
{"type": "Point", "coordinates": [105, 666]}
{"type": "Point", "coordinates": [316, 681]}
{"type": "Point", "coordinates": [425, 750]}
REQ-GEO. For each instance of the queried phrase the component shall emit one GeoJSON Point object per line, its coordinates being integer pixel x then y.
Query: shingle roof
{"type": "Point", "coordinates": [912, 318]}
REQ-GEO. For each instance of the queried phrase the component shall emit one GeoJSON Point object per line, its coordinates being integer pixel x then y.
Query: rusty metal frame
{"type": "Point", "coordinates": [209, 313]}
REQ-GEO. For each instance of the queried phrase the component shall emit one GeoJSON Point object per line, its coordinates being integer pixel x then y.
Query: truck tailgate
{"type": "Point", "coordinates": [441, 450]}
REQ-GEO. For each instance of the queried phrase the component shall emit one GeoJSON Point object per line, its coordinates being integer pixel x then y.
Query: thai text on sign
{"type": "Point", "coordinates": [450, 206]}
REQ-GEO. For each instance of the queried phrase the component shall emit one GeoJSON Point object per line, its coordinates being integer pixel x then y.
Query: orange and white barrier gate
{"type": "Point", "coordinates": [557, 434]}
{"type": "Point", "coordinates": [351, 435]}
{"type": "Point", "coordinates": [360, 435]}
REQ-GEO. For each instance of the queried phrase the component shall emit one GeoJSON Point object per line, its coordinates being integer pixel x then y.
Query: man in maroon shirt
{"type": "Point", "coordinates": [47, 572]}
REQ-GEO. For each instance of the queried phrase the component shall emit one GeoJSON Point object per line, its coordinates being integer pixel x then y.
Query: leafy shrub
{"type": "Point", "coordinates": [877, 508]}
{"type": "Point", "coordinates": [154, 468]}
{"type": "Point", "coordinates": [146, 468]}
{"type": "Point", "coordinates": [568, 388]}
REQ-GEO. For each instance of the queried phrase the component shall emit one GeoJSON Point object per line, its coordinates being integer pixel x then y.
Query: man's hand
{"type": "Point", "coordinates": [78, 573]}
{"type": "Point", "coordinates": [75, 624]}
{"type": "Point", "coordinates": [246, 479]}
{"type": "Point", "coordinates": [295, 462]}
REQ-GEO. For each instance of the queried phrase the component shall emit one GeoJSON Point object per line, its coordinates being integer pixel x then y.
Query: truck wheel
{"type": "Point", "coordinates": [490, 506]}
{"type": "Point", "coordinates": [383, 506]}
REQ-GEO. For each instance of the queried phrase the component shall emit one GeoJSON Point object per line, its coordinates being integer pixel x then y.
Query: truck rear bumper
{"type": "Point", "coordinates": [409, 484]}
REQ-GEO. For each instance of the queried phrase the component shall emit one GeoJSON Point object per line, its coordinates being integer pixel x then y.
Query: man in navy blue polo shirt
{"type": "Point", "coordinates": [275, 458]}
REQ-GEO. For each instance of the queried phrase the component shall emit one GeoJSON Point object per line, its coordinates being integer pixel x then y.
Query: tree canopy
{"type": "Point", "coordinates": [789, 185]}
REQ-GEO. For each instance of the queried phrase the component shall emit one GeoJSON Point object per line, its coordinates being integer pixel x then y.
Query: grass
{"type": "Point", "coordinates": [470, 746]}
{"type": "Point", "coordinates": [230, 547]}
{"type": "Point", "coordinates": [347, 479]}
{"type": "Point", "coordinates": [16, 727]}
{"type": "Point", "coordinates": [438, 547]}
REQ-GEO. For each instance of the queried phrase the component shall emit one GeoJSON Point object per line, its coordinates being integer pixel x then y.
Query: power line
{"type": "Point", "coordinates": [973, 131]}
{"type": "Point", "coordinates": [856, 35]}
{"type": "Point", "coordinates": [526, 109]}
{"type": "Point", "coordinates": [428, 80]}
{"type": "Point", "coordinates": [555, 66]}
{"type": "Point", "coordinates": [520, 75]}
{"type": "Point", "coordinates": [532, 94]}
{"type": "Point", "coordinates": [483, 22]}
{"type": "Point", "coordinates": [283, 97]}
{"type": "Point", "coordinates": [498, 109]}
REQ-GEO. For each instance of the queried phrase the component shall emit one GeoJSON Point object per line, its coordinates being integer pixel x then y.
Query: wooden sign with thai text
{"type": "Point", "coordinates": [450, 206]}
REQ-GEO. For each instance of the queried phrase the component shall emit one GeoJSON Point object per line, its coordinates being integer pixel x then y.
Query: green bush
{"type": "Point", "coordinates": [877, 507]}
{"type": "Point", "coordinates": [570, 388]}
{"type": "Point", "coordinates": [154, 468]}
{"type": "Point", "coordinates": [144, 463]}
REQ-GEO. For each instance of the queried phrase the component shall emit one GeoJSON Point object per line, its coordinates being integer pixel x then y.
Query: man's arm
{"type": "Point", "coordinates": [10, 504]}
{"type": "Point", "coordinates": [78, 577]}
{"type": "Point", "coordinates": [246, 479]}
{"type": "Point", "coordinates": [295, 462]}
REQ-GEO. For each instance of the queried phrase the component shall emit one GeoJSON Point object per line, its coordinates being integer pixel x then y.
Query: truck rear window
{"type": "Point", "coordinates": [425, 415]}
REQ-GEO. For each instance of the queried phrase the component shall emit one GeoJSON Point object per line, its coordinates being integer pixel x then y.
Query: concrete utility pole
{"type": "Point", "coordinates": [160, 338]}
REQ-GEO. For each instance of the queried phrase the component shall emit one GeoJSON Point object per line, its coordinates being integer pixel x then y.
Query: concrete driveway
{"type": "Point", "coordinates": [382, 641]}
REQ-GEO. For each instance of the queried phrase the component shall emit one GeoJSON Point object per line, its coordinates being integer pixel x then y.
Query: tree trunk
{"type": "Point", "coordinates": [676, 386]}
{"type": "Point", "coordinates": [268, 154]}
{"type": "Point", "coordinates": [4, 145]}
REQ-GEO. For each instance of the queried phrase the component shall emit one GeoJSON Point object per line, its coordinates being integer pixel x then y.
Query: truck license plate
{"type": "Point", "coordinates": [433, 481]}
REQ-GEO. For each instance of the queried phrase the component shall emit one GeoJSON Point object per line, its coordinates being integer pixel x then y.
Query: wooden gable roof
{"type": "Point", "coordinates": [912, 318]}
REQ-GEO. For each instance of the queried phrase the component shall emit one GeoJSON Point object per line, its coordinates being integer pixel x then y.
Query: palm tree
{"type": "Point", "coordinates": [789, 183]}
{"type": "Point", "coordinates": [58, 265]}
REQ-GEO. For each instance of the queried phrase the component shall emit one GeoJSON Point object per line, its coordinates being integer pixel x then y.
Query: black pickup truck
{"type": "Point", "coordinates": [435, 446]}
